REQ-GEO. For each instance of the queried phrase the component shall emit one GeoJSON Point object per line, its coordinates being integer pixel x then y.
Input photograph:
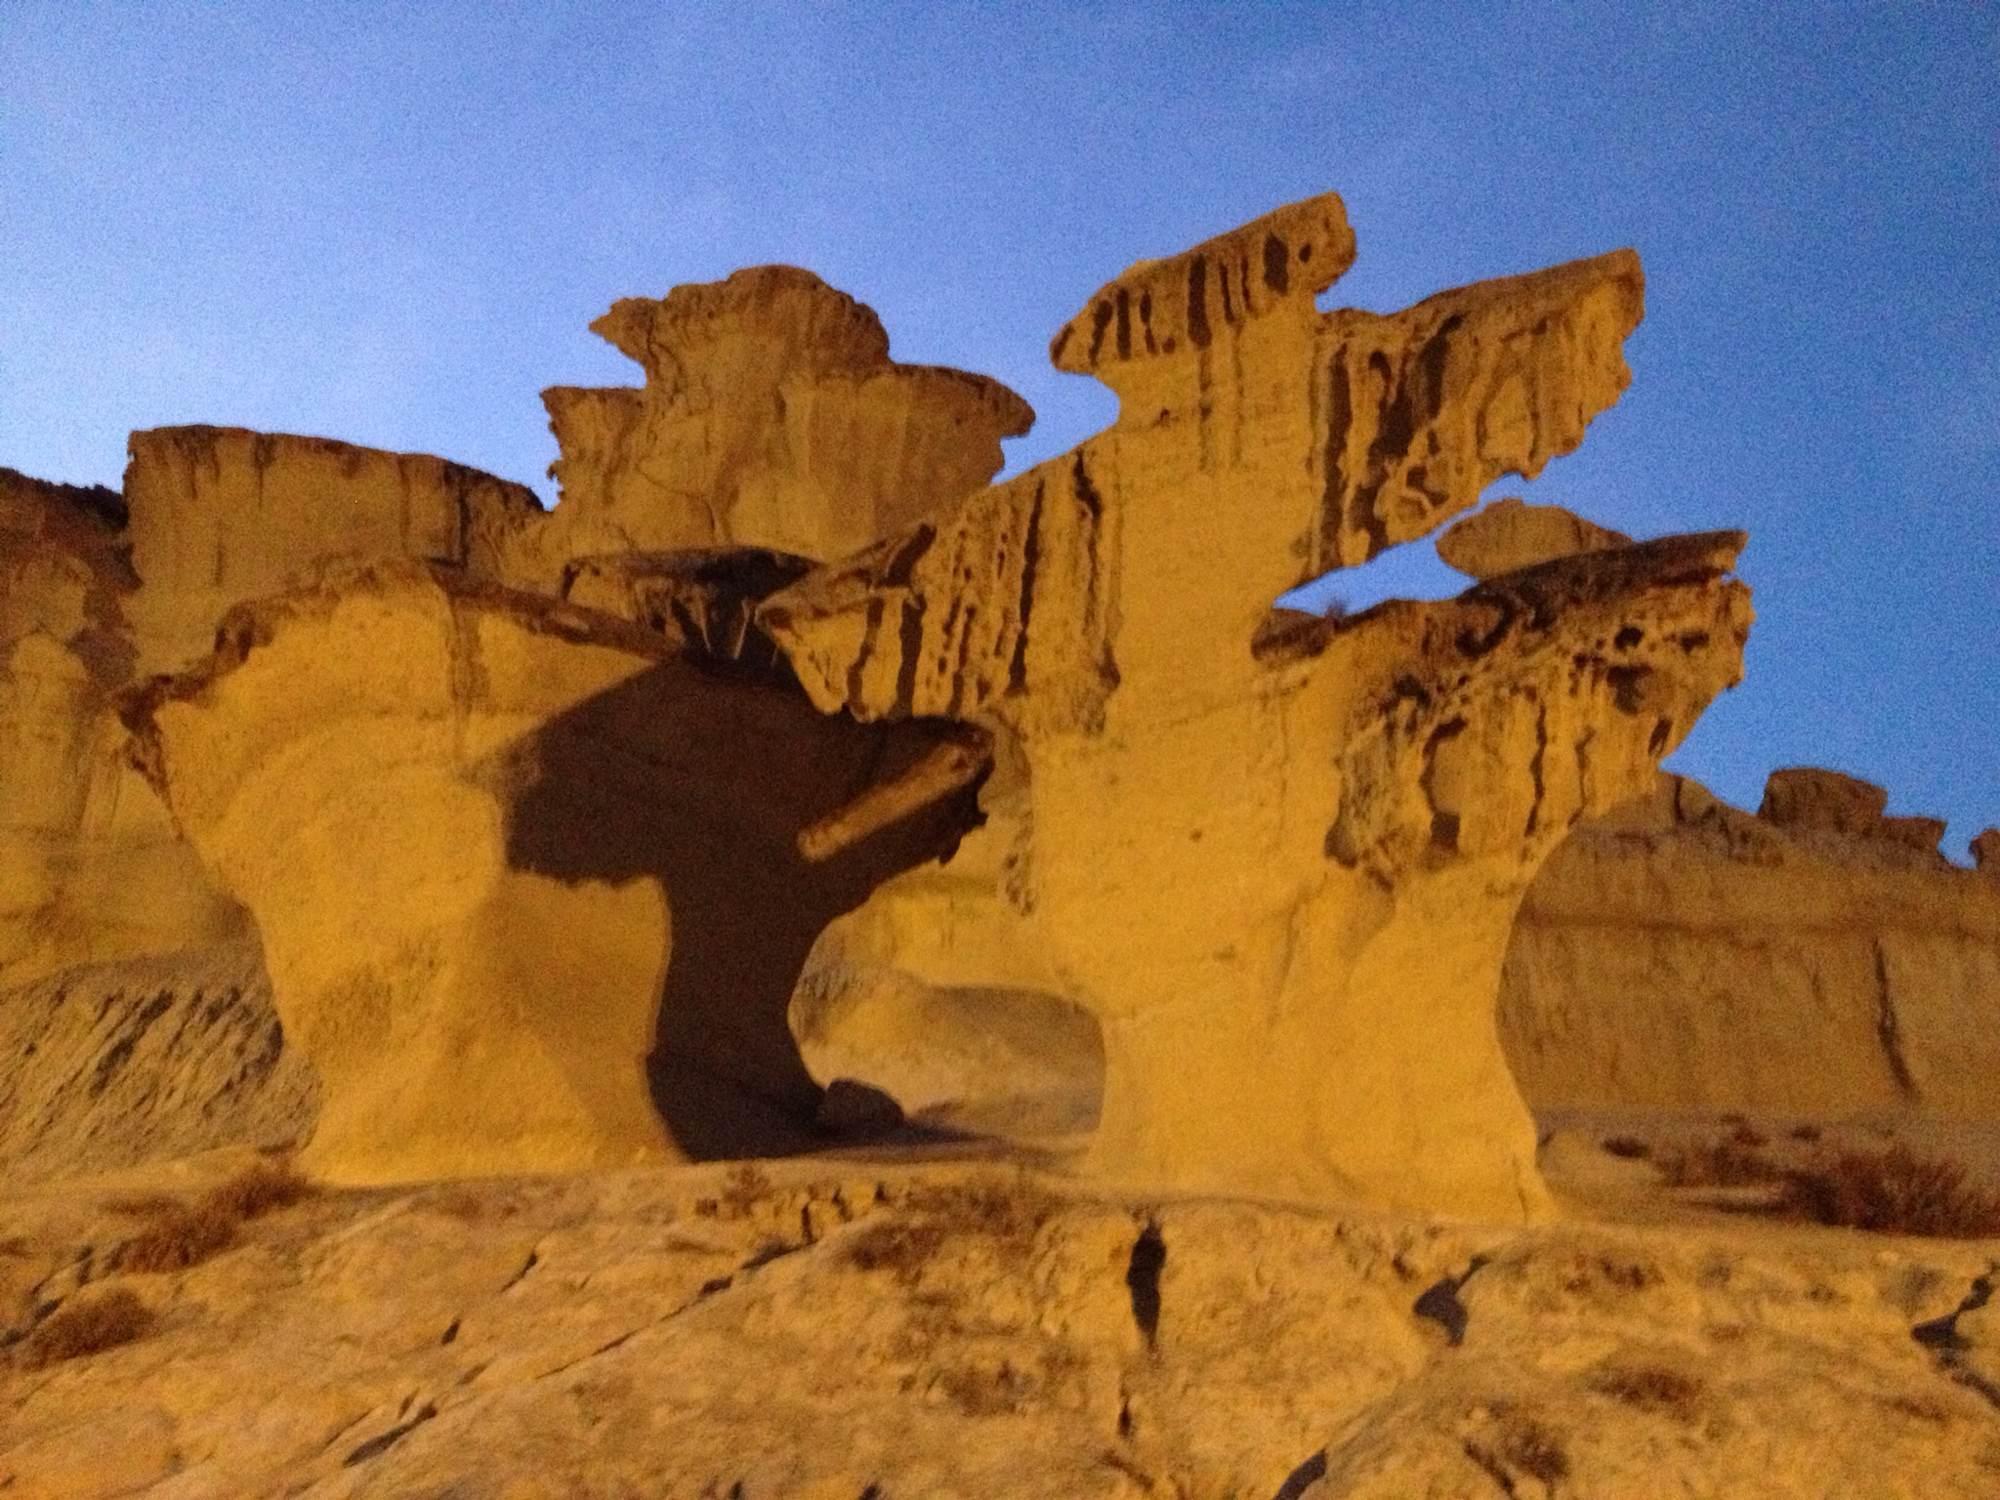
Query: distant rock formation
{"type": "Point", "coordinates": [1816, 959]}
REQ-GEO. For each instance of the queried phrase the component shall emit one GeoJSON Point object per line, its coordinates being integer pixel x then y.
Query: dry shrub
{"type": "Point", "coordinates": [142, 1205]}
{"type": "Point", "coordinates": [184, 1238]}
{"type": "Point", "coordinates": [1717, 1164]}
{"type": "Point", "coordinates": [1630, 1147]}
{"type": "Point", "coordinates": [260, 1189]}
{"type": "Point", "coordinates": [1534, 1450]}
{"type": "Point", "coordinates": [1895, 1192]}
{"type": "Point", "coordinates": [117, 1317]}
{"type": "Point", "coordinates": [1652, 1388]}
{"type": "Point", "coordinates": [1807, 1133]}
{"type": "Point", "coordinates": [901, 1248]}
{"type": "Point", "coordinates": [1746, 1134]}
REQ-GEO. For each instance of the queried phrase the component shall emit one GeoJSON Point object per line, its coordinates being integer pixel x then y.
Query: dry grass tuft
{"type": "Point", "coordinates": [1651, 1388]}
{"type": "Point", "coordinates": [261, 1189]}
{"type": "Point", "coordinates": [1717, 1164]}
{"type": "Point", "coordinates": [176, 1241]}
{"type": "Point", "coordinates": [1535, 1450]}
{"type": "Point", "coordinates": [1895, 1192]}
{"type": "Point", "coordinates": [183, 1235]}
{"type": "Point", "coordinates": [117, 1317]}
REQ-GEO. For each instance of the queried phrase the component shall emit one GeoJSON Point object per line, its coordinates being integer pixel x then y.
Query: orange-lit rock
{"type": "Point", "coordinates": [527, 878]}
{"type": "Point", "coordinates": [1679, 954]}
{"type": "Point", "coordinates": [1279, 861]}
{"type": "Point", "coordinates": [772, 416]}
{"type": "Point", "coordinates": [221, 516]}
{"type": "Point", "coordinates": [90, 869]}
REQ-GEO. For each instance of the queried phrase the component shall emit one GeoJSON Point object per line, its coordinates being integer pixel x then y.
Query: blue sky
{"type": "Point", "coordinates": [391, 224]}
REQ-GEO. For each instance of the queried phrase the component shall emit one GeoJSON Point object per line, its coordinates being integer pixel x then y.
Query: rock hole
{"type": "Point", "coordinates": [1629, 637]}
{"type": "Point", "coordinates": [451, 1333]}
{"type": "Point", "coordinates": [1142, 1277]}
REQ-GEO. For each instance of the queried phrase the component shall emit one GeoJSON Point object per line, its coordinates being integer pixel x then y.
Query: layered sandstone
{"type": "Point", "coordinates": [772, 417]}
{"type": "Point", "coordinates": [1812, 960]}
{"type": "Point", "coordinates": [1279, 860]}
{"type": "Point", "coordinates": [221, 516]}
{"type": "Point", "coordinates": [90, 867]}
{"type": "Point", "coordinates": [527, 877]}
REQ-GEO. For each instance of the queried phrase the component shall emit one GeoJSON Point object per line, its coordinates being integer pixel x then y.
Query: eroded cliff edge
{"type": "Point", "coordinates": [1817, 958]}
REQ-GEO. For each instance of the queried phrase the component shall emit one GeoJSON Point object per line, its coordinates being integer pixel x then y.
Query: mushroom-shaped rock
{"type": "Point", "coordinates": [1281, 866]}
{"type": "Point", "coordinates": [527, 879]}
{"type": "Point", "coordinates": [772, 416]}
{"type": "Point", "coordinates": [1511, 534]}
{"type": "Point", "coordinates": [221, 516]}
{"type": "Point", "coordinates": [1808, 797]}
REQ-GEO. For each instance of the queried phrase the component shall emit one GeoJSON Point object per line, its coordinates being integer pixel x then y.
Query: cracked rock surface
{"type": "Point", "coordinates": [841, 1328]}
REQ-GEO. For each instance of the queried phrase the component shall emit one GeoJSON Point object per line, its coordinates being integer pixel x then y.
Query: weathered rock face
{"type": "Point", "coordinates": [1281, 864]}
{"type": "Point", "coordinates": [1986, 851]}
{"type": "Point", "coordinates": [772, 417]}
{"type": "Point", "coordinates": [1511, 534]}
{"type": "Point", "coordinates": [221, 516]}
{"type": "Point", "coordinates": [528, 881]}
{"type": "Point", "coordinates": [1679, 954]}
{"type": "Point", "coordinates": [90, 868]}
{"type": "Point", "coordinates": [146, 1058]}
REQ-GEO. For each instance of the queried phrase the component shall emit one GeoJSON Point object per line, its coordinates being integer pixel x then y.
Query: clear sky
{"type": "Point", "coordinates": [391, 224]}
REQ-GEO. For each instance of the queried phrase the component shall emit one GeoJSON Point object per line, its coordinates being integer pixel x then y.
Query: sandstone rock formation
{"type": "Point", "coordinates": [772, 417]}
{"type": "Point", "coordinates": [114, 1063]}
{"type": "Point", "coordinates": [90, 867]}
{"type": "Point", "coordinates": [221, 516]}
{"type": "Point", "coordinates": [1511, 534]}
{"type": "Point", "coordinates": [537, 827]}
{"type": "Point", "coordinates": [1986, 851]}
{"type": "Point", "coordinates": [1281, 865]}
{"type": "Point", "coordinates": [1806, 797]}
{"type": "Point", "coordinates": [527, 878]}
{"type": "Point", "coordinates": [1682, 955]}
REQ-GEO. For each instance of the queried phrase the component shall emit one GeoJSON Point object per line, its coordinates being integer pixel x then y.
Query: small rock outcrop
{"type": "Point", "coordinates": [1679, 954]}
{"type": "Point", "coordinates": [1280, 864]}
{"type": "Point", "coordinates": [772, 417]}
{"type": "Point", "coordinates": [1511, 534]}
{"type": "Point", "coordinates": [1985, 851]}
{"type": "Point", "coordinates": [1807, 797]}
